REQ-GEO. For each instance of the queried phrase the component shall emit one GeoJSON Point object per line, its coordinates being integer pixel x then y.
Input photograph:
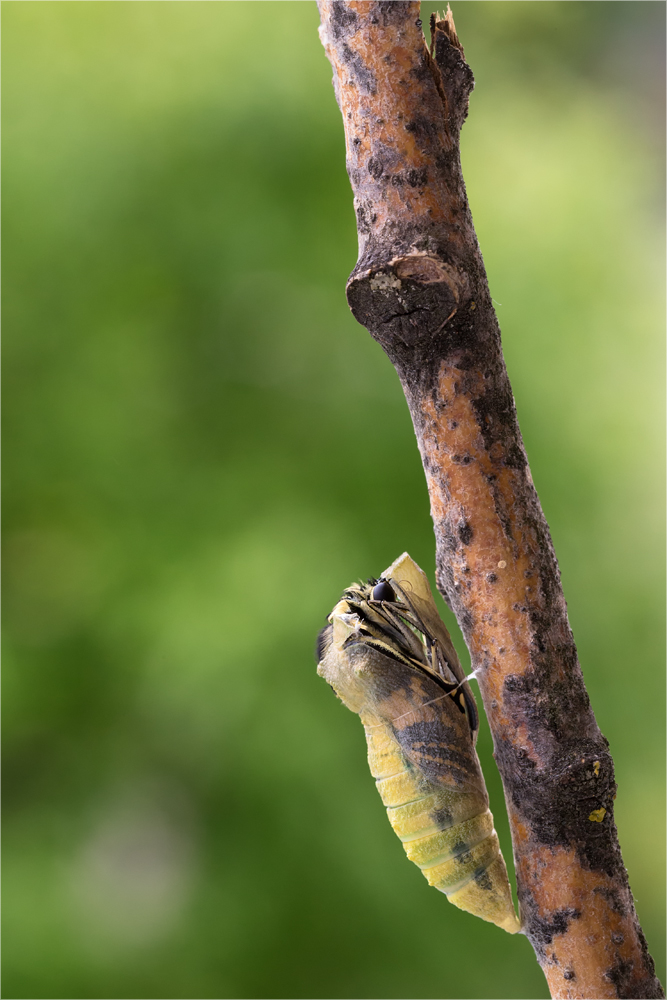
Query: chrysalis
{"type": "Point", "coordinates": [389, 658]}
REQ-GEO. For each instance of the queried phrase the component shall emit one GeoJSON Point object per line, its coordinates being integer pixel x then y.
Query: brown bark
{"type": "Point", "coordinates": [421, 290]}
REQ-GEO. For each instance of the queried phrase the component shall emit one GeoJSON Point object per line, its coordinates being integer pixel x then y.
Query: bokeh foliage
{"type": "Point", "coordinates": [203, 448]}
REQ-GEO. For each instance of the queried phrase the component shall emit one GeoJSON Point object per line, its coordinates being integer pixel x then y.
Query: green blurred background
{"type": "Point", "coordinates": [203, 448]}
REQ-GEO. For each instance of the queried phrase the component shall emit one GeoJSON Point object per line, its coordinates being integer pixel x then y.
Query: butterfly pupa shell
{"type": "Point", "coordinates": [393, 663]}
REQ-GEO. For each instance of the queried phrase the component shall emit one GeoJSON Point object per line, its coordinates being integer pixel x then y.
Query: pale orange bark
{"type": "Point", "coordinates": [421, 289]}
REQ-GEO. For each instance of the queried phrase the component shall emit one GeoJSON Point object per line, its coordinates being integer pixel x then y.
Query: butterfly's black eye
{"type": "Point", "coordinates": [383, 592]}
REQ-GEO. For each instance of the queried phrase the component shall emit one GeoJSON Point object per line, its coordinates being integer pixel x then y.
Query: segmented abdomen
{"type": "Point", "coordinates": [447, 831]}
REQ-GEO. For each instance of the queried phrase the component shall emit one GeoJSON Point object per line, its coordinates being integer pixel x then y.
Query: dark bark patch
{"type": "Point", "coordinates": [422, 128]}
{"type": "Point", "coordinates": [465, 533]}
{"type": "Point", "coordinates": [393, 11]}
{"type": "Point", "coordinates": [541, 931]}
{"type": "Point", "coordinates": [342, 19]}
{"type": "Point", "coordinates": [363, 76]}
{"type": "Point", "coordinates": [375, 168]}
{"type": "Point", "coordinates": [614, 899]}
{"type": "Point", "coordinates": [649, 986]}
{"type": "Point", "coordinates": [417, 178]}
{"type": "Point", "coordinates": [557, 800]}
{"type": "Point", "coordinates": [621, 976]}
{"type": "Point", "coordinates": [466, 621]}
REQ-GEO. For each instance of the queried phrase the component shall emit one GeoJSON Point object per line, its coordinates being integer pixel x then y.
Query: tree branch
{"type": "Point", "coordinates": [421, 290]}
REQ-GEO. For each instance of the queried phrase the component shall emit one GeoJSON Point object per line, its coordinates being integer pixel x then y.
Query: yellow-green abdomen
{"type": "Point", "coordinates": [447, 832]}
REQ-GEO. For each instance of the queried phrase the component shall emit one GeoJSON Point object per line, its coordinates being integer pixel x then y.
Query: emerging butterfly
{"type": "Point", "coordinates": [389, 658]}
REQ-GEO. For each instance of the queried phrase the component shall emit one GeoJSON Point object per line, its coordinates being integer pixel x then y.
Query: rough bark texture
{"type": "Point", "coordinates": [421, 290]}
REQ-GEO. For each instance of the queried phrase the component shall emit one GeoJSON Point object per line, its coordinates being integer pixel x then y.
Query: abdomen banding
{"type": "Point", "coordinates": [467, 862]}
{"type": "Point", "coordinates": [447, 833]}
{"type": "Point", "coordinates": [441, 846]}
